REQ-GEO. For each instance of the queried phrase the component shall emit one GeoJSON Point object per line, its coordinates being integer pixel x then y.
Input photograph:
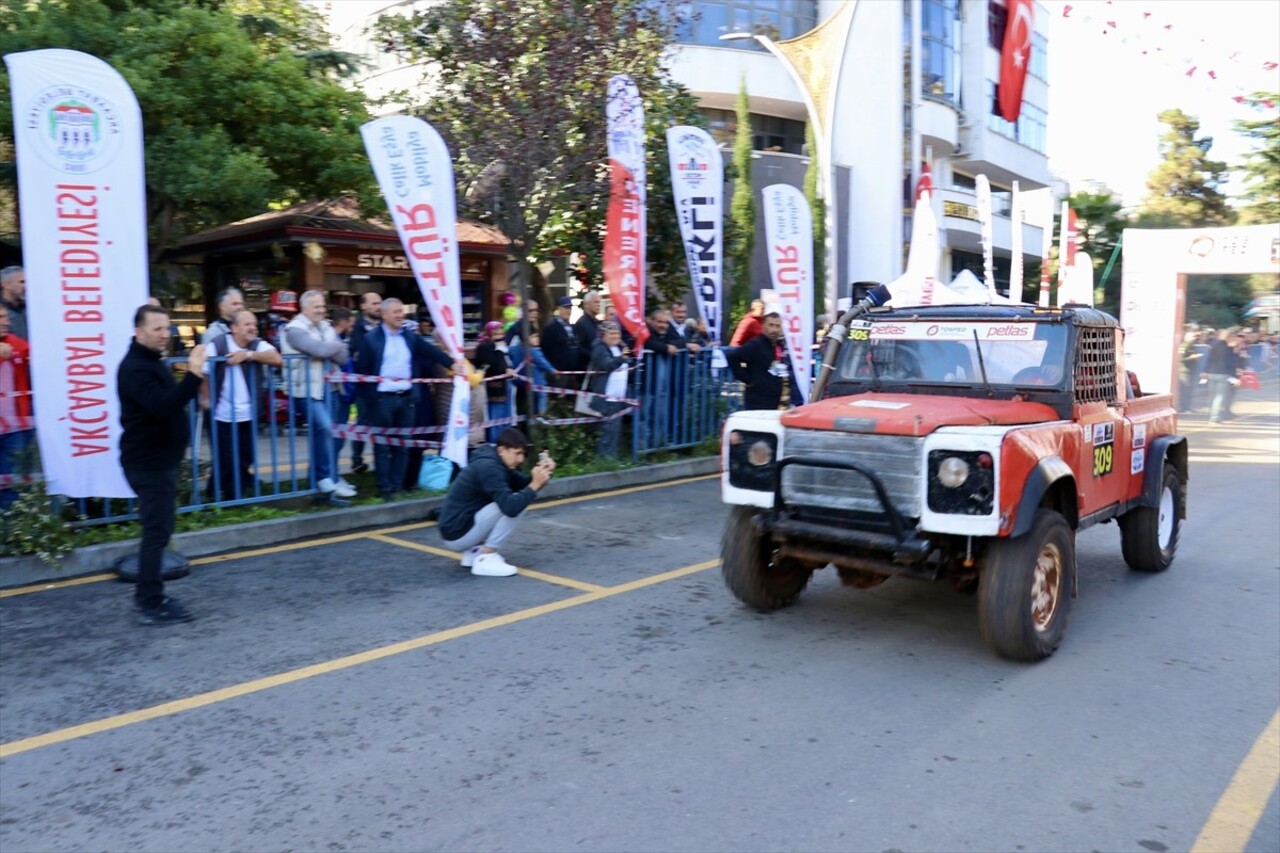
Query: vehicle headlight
{"type": "Point", "coordinates": [961, 482]}
{"type": "Point", "coordinates": [953, 472]}
{"type": "Point", "coordinates": [760, 453]}
{"type": "Point", "coordinates": [752, 459]}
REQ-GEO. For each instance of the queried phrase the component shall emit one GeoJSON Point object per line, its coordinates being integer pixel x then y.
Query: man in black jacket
{"type": "Point", "coordinates": [761, 364]}
{"type": "Point", "coordinates": [559, 340]}
{"type": "Point", "coordinates": [487, 500]}
{"type": "Point", "coordinates": [397, 355]}
{"type": "Point", "coordinates": [155, 434]}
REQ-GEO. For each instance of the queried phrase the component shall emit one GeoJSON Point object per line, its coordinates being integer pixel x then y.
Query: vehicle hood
{"type": "Point", "coordinates": [913, 414]}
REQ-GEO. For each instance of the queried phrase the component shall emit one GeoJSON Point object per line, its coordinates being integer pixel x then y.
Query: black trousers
{"type": "Point", "coordinates": [391, 410]}
{"type": "Point", "coordinates": [157, 502]}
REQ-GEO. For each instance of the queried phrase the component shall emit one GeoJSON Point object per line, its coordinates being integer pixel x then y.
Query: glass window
{"type": "Point", "coordinates": [938, 50]}
{"type": "Point", "coordinates": [946, 352]}
{"type": "Point", "coordinates": [1031, 128]}
{"type": "Point", "coordinates": [997, 20]}
{"type": "Point", "coordinates": [1039, 65]}
{"type": "Point", "coordinates": [768, 133]}
{"type": "Point", "coordinates": [777, 19]}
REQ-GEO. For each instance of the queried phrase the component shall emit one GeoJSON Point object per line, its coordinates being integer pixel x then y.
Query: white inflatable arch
{"type": "Point", "coordinates": [1153, 290]}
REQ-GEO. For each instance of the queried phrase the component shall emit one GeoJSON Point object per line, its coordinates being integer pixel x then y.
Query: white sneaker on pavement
{"type": "Point", "coordinates": [469, 556]}
{"type": "Point", "coordinates": [491, 565]}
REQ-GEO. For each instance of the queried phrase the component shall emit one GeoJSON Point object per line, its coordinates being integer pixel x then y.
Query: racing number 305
{"type": "Point", "coordinates": [1103, 458]}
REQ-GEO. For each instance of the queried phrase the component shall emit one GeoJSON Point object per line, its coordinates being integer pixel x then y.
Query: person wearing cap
{"type": "Point", "coordinates": [492, 356]}
{"type": "Point", "coordinates": [487, 501]}
{"type": "Point", "coordinates": [559, 340]}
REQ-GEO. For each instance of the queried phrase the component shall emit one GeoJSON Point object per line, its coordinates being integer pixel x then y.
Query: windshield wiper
{"type": "Point", "coordinates": [982, 365]}
{"type": "Point", "coordinates": [875, 374]}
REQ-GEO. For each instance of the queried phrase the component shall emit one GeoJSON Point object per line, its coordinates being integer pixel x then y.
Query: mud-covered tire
{"type": "Point", "coordinates": [752, 569]}
{"type": "Point", "coordinates": [1149, 534]}
{"type": "Point", "coordinates": [1024, 590]}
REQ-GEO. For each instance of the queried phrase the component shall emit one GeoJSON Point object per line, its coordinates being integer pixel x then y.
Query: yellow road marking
{"type": "Point", "coordinates": [417, 546]}
{"type": "Point", "coordinates": [201, 700]}
{"type": "Point", "coordinates": [563, 581]}
{"type": "Point", "coordinates": [348, 537]}
{"type": "Point", "coordinates": [454, 555]}
{"type": "Point", "coordinates": [27, 590]}
{"type": "Point", "coordinates": [1235, 817]}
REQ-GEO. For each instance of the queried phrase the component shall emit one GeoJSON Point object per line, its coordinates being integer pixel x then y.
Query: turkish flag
{"type": "Point", "coordinates": [1014, 59]}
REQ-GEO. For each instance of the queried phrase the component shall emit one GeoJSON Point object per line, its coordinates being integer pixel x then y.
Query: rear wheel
{"type": "Point", "coordinates": [1024, 590]}
{"type": "Point", "coordinates": [752, 569]}
{"type": "Point", "coordinates": [1149, 534]}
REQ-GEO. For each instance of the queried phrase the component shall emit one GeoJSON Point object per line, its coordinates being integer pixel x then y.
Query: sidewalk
{"type": "Point", "coordinates": [20, 571]}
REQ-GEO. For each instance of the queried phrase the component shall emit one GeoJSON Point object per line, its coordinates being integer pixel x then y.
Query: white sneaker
{"type": "Point", "coordinates": [341, 488]}
{"type": "Point", "coordinates": [469, 556]}
{"type": "Point", "coordinates": [491, 565]}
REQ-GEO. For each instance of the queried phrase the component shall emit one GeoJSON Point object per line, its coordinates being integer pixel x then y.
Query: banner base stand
{"type": "Point", "coordinates": [172, 566]}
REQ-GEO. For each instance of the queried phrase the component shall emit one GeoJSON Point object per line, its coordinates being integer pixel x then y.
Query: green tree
{"type": "Point", "coordinates": [1261, 167]}
{"type": "Point", "coordinates": [236, 118]}
{"type": "Point", "coordinates": [1100, 225]}
{"type": "Point", "coordinates": [1217, 300]}
{"type": "Point", "coordinates": [818, 209]}
{"type": "Point", "coordinates": [740, 230]}
{"type": "Point", "coordinates": [523, 114]}
{"type": "Point", "coordinates": [1184, 190]}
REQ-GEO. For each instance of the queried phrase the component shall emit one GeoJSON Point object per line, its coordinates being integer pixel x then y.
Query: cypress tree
{"type": "Point", "coordinates": [742, 214]}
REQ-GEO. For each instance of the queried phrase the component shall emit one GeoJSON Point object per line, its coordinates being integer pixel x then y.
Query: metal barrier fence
{"type": "Point", "coordinates": [683, 401]}
{"type": "Point", "coordinates": [257, 445]}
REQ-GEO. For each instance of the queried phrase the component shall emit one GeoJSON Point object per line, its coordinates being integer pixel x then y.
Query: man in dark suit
{"type": "Point", "coordinates": [395, 354]}
{"type": "Point", "coordinates": [369, 318]}
{"type": "Point", "coordinates": [559, 341]}
{"type": "Point", "coordinates": [761, 365]}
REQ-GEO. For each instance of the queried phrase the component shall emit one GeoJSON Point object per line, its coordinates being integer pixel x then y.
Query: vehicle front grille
{"type": "Point", "coordinates": [895, 459]}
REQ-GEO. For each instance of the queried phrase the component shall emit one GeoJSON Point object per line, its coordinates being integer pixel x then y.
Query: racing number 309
{"type": "Point", "coordinates": [1103, 457]}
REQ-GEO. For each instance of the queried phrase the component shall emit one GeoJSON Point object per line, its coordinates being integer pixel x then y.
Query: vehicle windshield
{"type": "Point", "coordinates": [945, 352]}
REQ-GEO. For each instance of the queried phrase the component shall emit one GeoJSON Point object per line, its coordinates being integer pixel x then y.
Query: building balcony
{"type": "Point", "coordinates": [963, 231]}
{"type": "Point", "coordinates": [939, 126]}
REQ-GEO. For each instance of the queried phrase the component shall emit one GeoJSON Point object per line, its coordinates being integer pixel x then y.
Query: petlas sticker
{"type": "Point", "coordinates": [953, 331]}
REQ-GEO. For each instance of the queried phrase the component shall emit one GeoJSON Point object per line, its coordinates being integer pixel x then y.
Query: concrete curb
{"type": "Point", "coordinates": [92, 559]}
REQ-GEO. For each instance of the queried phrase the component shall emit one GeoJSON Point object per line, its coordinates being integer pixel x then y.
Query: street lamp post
{"type": "Point", "coordinates": [827, 174]}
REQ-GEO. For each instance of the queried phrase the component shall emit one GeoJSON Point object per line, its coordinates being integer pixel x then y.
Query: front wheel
{"type": "Point", "coordinates": [1149, 534]}
{"type": "Point", "coordinates": [752, 569]}
{"type": "Point", "coordinates": [1024, 590]}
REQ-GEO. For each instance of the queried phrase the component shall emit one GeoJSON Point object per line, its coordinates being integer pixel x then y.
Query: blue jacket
{"type": "Point", "coordinates": [541, 367]}
{"type": "Point", "coordinates": [369, 358]}
{"type": "Point", "coordinates": [486, 480]}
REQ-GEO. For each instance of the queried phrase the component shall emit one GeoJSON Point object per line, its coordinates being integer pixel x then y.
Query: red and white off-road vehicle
{"type": "Point", "coordinates": [967, 443]}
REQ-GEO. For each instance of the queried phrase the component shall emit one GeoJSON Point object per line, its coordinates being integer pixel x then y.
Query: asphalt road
{"type": "Point", "coordinates": [365, 693]}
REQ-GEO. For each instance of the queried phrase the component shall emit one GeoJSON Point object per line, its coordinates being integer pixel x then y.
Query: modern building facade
{"type": "Point", "coordinates": [917, 82]}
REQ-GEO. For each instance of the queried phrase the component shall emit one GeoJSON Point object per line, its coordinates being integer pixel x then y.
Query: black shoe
{"type": "Point", "coordinates": [167, 612]}
{"type": "Point", "coordinates": [359, 468]}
